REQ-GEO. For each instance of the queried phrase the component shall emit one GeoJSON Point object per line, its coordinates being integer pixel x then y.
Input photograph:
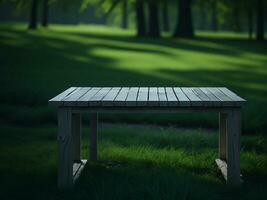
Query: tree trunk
{"type": "Point", "coordinates": [153, 23]}
{"type": "Point", "coordinates": [184, 27]}
{"type": "Point", "coordinates": [250, 22]}
{"type": "Point", "coordinates": [236, 16]}
{"type": "Point", "coordinates": [165, 16]}
{"type": "Point", "coordinates": [203, 17]}
{"type": "Point", "coordinates": [45, 13]}
{"type": "Point", "coordinates": [214, 20]}
{"type": "Point", "coordinates": [124, 23]}
{"type": "Point", "coordinates": [33, 15]}
{"type": "Point", "coordinates": [140, 18]}
{"type": "Point", "coordinates": [260, 20]}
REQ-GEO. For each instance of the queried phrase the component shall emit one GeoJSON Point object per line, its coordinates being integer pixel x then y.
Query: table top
{"type": "Point", "coordinates": [147, 96]}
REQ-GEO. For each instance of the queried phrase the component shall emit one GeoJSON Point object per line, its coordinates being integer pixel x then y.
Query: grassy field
{"type": "Point", "coordinates": [36, 65]}
{"type": "Point", "coordinates": [136, 162]}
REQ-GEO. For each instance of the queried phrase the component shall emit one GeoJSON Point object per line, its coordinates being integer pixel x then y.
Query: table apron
{"type": "Point", "coordinates": [151, 109]}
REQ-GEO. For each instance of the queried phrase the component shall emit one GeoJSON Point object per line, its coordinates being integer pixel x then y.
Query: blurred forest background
{"type": "Point", "coordinates": [150, 17]}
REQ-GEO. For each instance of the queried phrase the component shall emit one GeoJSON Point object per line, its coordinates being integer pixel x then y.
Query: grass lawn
{"type": "Point", "coordinates": [136, 162]}
{"type": "Point", "coordinates": [36, 65]}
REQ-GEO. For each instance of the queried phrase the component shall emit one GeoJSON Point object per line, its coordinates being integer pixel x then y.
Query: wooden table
{"type": "Point", "coordinates": [76, 100]}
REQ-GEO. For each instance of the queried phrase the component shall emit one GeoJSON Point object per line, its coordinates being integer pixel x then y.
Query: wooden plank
{"type": "Point", "coordinates": [121, 97]}
{"type": "Point", "coordinates": [132, 96]}
{"type": "Point", "coordinates": [233, 147]}
{"type": "Point", "coordinates": [225, 100]}
{"type": "Point", "coordinates": [223, 167]}
{"type": "Point", "coordinates": [153, 98]}
{"type": "Point", "coordinates": [84, 100]}
{"type": "Point", "coordinates": [222, 135]}
{"type": "Point", "coordinates": [216, 101]}
{"type": "Point", "coordinates": [239, 101]}
{"type": "Point", "coordinates": [171, 97]}
{"type": "Point", "coordinates": [93, 136]}
{"type": "Point", "coordinates": [194, 99]}
{"type": "Point", "coordinates": [183, 99]}
{"type": "Point", "coordinates": [76, 135]}
{"type": "Point", "coordinates": [142, 96]}
{"type": "Point", "coordinates": [56, 101]}
{"type": "Point", "coordinates": [71, 99]}
{"type": "Point", "coordinates": [163, 101]}
{"type": "Point", "coordinates": [108, 100]}
{"type": "Point", "coordinates": [77, 169]}
{"type": "Point", "coordinates": [97, 98]}
{"type": "Point", "coordinates": [65, 178]}
{"type": "Point", "coordinates": [206, 101]}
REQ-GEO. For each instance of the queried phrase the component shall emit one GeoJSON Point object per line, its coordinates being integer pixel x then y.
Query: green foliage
{"type": "Point", "coordinates": [19, 5]}
{"type": "Point", "coordinates": [103, 7]}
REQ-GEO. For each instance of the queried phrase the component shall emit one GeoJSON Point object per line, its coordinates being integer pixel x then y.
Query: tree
{"type": "Point", "coordinates": [250, 8]}
{"type": "Point", "coordinates": [45, 13]}
{"type": "Point", "coordinates": [165, 16]}
{"type": "Point", "coordinates": [140, 18]}
{"type": "Point", "coordinates": [260, 20]}
{"type": "Point", "coordinates": [33, 14]}
{"type": "Point", "coordinates": [202, 5]}
{"type": "Point", "coordinates": [184, 24]}
{"type": "Point", "coordinates": [124, 20]}
{"type": "Point", "coordinates": [124, 23]}
{"type": "Point", "coordinates": [214, 14]}
{"type": "Point", "coordinates": [153, 22]}
{"type": "Point", "coordinates": [236, 16]}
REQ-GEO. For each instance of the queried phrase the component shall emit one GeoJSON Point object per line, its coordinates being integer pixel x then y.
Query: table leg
{"type": "Point", "coordinates": [93, 136]}
{"type": "Point", "coordinates": [222, 135]}
{"type": "Point", "coordinates": [76, 134]}
{"type": "Point", "coordinates": [233, 146]}
{"type": "Point", "coordinates": [65, 169]}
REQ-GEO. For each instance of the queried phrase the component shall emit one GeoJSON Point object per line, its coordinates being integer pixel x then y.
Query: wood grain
{"type": "Point", "coordinates": [65, 178]}
{"type": "Point", "coordinates": [222, 135]}
{"type": "Point", "coordinates": [93, 136]}
{"type": "Point", "coordinates": [233, 147]}
{"type": "Point", "coordinates": [147, 97]}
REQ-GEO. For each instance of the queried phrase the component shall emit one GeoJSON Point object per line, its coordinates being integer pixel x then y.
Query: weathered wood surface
{"type": "Point", "coordinates": [57, 100]}
{"type": "Point", "coordinates": [147, 96]}
{"type": "Point", "coordinates": [76, 135]}
{"type": "Point", "coordinates": [222, 135]}
{"type": "Point", "coordinates": [142, 96]}
{"type": "Point", "coordinates": [153, 97]}
{"type": "Point", "coordinates": [229, 146]}
{"type": "Point", "coordinates": [222, 165]}
{"type": "Point", "coordinates": [162, 96]}
{"type": "Point", "coordinates": [171, 97]}
{"type": "Point", "coordinates": [93, 137]}
{"type": "Point", "coordinates": [108, 99]}
{"type": "Point", "coordinates": [233, 146]}
{"type": "Point", "coordinates": [121, 97]}
{"type": "Point", "coordinates": [65, 168]}
{"type": "Point", "coordinates": [71, 99]}
{"type": "Point", "coordinates": [77, 169]}
{"type": "Point", "coordinates": [77, 99]}
{"type": "Point", "coordinates": [132, 96]}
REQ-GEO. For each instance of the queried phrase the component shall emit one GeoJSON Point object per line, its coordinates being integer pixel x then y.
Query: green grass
{"type": "Point", "coordinates": [135, 163]}
{"type": "Point", "coordinates": [36, 65]}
